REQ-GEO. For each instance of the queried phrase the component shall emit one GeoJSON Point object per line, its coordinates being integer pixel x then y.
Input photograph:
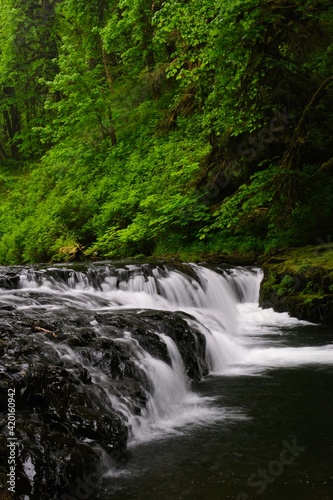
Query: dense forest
{"type": "Point", "coordinates": [143, 127]}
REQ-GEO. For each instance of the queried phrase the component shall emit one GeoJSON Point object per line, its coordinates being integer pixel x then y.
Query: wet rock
{"type": "Point", "coordinates": [145, 327]}
{"type": "Point", "coordinates": [140, 328]}
{"type": "Point", "coordinates": [191, 343]}
{"type": "Point", "coordinates": [61, 423]}
{"type": "Point", "coordinates": [71, 371]}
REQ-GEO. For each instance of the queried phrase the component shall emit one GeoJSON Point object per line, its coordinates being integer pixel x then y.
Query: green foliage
{"type": "Point", "coordinates": [28, 53]}
{"type": "Point", "coordinates": [119, 118]}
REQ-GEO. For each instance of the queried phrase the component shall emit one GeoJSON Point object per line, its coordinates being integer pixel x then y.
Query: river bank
{"type": "Point", "coordinates": [300, 282]}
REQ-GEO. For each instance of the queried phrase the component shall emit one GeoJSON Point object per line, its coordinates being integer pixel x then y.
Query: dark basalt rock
{"type": "Point", "coordinates": [145, 326]}
{"type": "Point", "coordinates": [66, 425]}
{"type": "Point", "coordinates": [140, 328]}
{"type": "Point", "coordinates": [191, 343]}
{"type": "Point", "coordinates": [313, 309]}
{"type": "Point", "coordinates": [62, 425]}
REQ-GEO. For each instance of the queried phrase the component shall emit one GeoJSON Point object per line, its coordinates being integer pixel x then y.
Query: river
{"type": "Point", "coordinates": [258, 424]}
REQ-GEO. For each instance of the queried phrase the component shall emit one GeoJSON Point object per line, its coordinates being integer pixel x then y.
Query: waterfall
{"type": "Point", "coordinates": [206, 300]}
{"type": "Point", "coordinates": [218, 305]}
{"type": "Point", "coordinates": [109, 357]}
{"type": "Point", "coordinates": [211, 297]}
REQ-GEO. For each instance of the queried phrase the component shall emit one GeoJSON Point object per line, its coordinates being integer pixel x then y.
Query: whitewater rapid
{"type": "Point", "coordinates": [241, 338]}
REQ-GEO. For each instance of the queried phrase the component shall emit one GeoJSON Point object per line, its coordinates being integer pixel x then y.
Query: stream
{"type": "Point", "coordinates": [142, 381]}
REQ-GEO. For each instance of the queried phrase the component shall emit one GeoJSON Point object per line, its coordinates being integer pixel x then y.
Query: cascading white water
{"type": "Point", "coordinates": [170, 404]}
{"type": "Point", "coordinates": [222, 305]}
{"type": "Point", "coordinates": [210, 297]}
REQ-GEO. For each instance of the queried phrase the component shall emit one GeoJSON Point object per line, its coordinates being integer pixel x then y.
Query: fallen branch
{"type": "Point", "coordinates": [40, 329]}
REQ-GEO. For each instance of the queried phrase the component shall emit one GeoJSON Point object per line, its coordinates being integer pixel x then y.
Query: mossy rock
{"type": "Point", "coordinates": [300, 282]}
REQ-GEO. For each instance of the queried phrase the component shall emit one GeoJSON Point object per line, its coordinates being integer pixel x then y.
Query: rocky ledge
{"type": "Point", "coordinates": [67, 429]}
{"type": "Point", "coordinates": [300, 281]}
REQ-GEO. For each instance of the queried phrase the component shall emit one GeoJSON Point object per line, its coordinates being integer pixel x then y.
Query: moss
{"type": "Point", "coordinates": [300, 281]}
{"type": "Point", "coordinates": [312, 298]}
{"type": "Point", "coordinates": [302, 260]}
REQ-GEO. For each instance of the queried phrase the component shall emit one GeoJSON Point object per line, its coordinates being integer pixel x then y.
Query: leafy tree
{"type": "Point", "coordinates": [28, 40]}
{"type": "Point", "coordinates": [146, 126]}
{"type": "Point", "coordinates": [79, 94]}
